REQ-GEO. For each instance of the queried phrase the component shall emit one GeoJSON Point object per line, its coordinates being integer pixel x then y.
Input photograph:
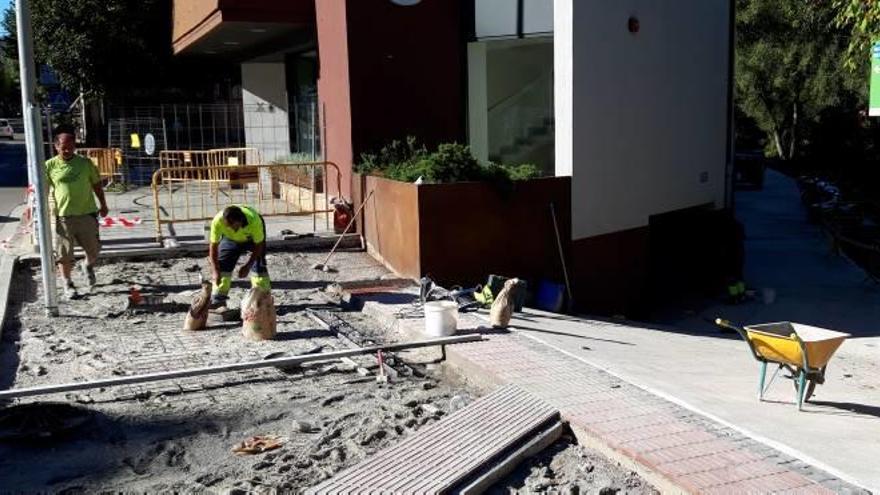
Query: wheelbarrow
{"type": "Point", "coordinates": [801, 350]}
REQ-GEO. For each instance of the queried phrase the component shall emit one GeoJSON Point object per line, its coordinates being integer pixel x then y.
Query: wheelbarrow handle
{"type": "Point", "coordinates": [742, 333]}
{"type": "Point", "coordinates": [730, 326]}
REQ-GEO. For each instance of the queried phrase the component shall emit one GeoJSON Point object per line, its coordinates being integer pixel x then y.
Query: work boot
{"type": "Point", "coordinates": [217, 301]}
{"type": "Point", "coordinates": [89, 272]}
{"type": "Point", "coordinates": [70, 290]}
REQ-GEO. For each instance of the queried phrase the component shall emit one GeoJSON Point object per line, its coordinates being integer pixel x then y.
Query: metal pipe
{"type": "Point", "coordinates": [225, 368]}
{"type": "Point", "coordinates": [561, 256]}
{"type": "Point", "coordinates": [33, 131]}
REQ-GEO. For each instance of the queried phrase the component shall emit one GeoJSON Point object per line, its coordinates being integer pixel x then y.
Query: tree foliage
{"type": "Point", "coordinates": [862, 19]}
{"type": "Point", "coordinates": [97, 46]}
{"type": "Point", "coordinates": [789, 68]}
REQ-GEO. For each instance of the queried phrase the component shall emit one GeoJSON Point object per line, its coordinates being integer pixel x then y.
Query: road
{"type": "Point", "coordinates": [13, 175]}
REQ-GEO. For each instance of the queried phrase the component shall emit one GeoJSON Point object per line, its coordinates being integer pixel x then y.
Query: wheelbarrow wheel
{"type": "Point", "coordinates": [811, 387]}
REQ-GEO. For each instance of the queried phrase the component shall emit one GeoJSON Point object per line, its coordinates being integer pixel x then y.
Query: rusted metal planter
{"type": "Point", "coordinates": [459, 233]}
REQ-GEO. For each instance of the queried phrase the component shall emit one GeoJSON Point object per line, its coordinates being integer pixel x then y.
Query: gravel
{"type": "Point", "coordinates": [178, 436]}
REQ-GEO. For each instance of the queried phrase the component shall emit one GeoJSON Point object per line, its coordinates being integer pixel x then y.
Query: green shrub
{"type": "Point", "coordinates": [523, 171]}
{"type": "Point", "coordinates": [407, 161]}
{"type": "Point", "coordinates": [394, 154]}
{"type": "Point", "coordinates": [297, 157]}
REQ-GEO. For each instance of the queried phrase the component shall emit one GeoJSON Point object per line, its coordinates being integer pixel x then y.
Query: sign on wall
{"type": "Point", "coordinates": [874, 106]}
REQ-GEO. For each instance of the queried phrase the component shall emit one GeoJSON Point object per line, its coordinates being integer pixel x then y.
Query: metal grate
{"type": "Point", "coordinates": [440, 456]}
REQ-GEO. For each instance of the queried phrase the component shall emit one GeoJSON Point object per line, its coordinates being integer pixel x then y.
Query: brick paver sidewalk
{"type": "Point", "coordinates": [678, 449]}
{"type": "Point", "coordinates": [691, 452]}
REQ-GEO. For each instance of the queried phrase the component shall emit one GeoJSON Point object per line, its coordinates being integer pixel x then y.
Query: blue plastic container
{"type": "Point", "coordinates": [550, 297]}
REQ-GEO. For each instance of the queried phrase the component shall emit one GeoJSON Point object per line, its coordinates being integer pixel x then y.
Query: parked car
{"type": "Point", "coordinates": [6, 130]}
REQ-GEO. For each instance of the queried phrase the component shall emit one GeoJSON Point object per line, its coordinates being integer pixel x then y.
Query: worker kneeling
{"type": "Point", "coordinates": [235, 230]}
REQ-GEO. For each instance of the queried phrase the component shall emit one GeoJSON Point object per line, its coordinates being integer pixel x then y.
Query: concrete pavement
{"type": "Point", "coordinates": [838, 432]}
{"type": "Point", "coordinates": [676, 449]}
{"type": "Point", "coordinates": [690, 362]}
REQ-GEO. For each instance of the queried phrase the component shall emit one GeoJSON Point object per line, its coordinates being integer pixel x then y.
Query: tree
{"type": "Point", "coordinates": [862, 19]}
{"type": "Point", "coordinates": [789, 68]}
{"type": "Point", "coordinates": [97, 46]}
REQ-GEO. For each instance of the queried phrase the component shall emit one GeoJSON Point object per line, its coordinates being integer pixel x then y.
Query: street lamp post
{"type": "Point", "coordinates": [33, 131]}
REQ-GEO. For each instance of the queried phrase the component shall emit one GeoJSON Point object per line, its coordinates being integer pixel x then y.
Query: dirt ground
{"type": "Point", "coordinates": [178, 436]}
{"type": "Point", "coordinates": [568, 468]}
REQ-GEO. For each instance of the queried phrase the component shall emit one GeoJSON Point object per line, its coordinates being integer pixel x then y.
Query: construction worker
{"type": "Point", "coordinates": [75, 183]}
{"type": "Point", "coordinates": [236, 229]}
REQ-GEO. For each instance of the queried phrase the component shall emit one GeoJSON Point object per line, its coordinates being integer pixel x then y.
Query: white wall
{"type": "Point", "coordinates": [264, 95]}
{"type": "Point", "coordinates": [641, 120]}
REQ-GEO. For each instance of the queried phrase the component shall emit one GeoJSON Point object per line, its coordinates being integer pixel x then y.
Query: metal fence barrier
{"type": "Point", "coordinates": [184, 159]}
{"type": "Point", "coordinates": [108, 161]}
{"type": "Point", "coordinates": [197, 193]}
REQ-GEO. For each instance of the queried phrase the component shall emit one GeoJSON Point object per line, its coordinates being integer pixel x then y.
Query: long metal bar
{"type": "Point", "coordinates": [226, 368]}
{"type": "Point", "coordinates": [33, 130]}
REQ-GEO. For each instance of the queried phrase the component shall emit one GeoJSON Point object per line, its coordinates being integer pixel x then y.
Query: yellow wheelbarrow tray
{"type": "Point", "coordinates": [802, 350]}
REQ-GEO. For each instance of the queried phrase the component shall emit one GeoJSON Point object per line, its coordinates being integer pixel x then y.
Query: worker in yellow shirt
{"type": "Point", "coordinates": [234, 231]}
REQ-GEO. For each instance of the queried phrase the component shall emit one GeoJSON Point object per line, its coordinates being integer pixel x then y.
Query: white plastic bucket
{"type": "Point", "coordinates": [441, 318]}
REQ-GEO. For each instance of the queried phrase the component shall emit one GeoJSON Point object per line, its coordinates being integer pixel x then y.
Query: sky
{"type": "Point", "coordinates": [3, 5]}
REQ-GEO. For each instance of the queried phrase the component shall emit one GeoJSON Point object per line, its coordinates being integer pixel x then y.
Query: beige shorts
{"type": "Point", "coordinates": [79, 229]}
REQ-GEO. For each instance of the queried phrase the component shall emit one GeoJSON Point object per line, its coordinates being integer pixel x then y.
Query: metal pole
{"type": "Point", "coordinates": [33, 131]}
{"type": "Point", "coordinates": [225, 368]}
{"type": "Point", "coordinates": [50, 136]}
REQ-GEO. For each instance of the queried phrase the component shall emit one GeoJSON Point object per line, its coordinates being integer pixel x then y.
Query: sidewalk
{"type": "Point", "coordinates": [787, 254]}
{"type": "Point", "coordinates": [680, 399]}
{"type": "Point", "coordinates": [673, 447]}
{"type": "Point", "coordinates": [838, 431]}
{"type": "Point", "coordinates": [689, 361]}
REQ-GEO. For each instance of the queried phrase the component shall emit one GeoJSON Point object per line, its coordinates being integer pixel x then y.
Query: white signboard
{"type": "Point", "coordinates": [149, 144]}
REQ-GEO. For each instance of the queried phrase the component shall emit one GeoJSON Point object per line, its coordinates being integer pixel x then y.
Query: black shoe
{"type": "Point", "coordinates": [217, 301]}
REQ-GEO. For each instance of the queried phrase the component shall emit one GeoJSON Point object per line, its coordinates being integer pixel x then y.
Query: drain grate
{"type": "Point", "coordinates": [441, 456]}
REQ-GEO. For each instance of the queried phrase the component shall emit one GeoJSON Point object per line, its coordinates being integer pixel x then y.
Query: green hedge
{"type": "Point", "coordinates": [407, 161]}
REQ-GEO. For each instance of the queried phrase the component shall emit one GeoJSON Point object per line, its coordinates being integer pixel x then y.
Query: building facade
{"type": "Point", "coordinates": [631, 99]}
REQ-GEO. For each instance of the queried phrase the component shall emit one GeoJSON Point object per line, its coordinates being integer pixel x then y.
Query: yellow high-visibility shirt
{"type": "Point", "coordinates": [253, 231]}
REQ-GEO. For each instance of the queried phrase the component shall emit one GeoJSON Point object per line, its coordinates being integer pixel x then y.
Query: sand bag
{"type": "Point", "coordinates": [258, 315]}
{"type": "Point", "coordinates": [502, 306]}
{"type": "Point", "coordinates": [197, 316]}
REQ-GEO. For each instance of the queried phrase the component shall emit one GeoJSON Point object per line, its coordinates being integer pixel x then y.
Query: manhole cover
{"type": "Point", "coordinates": [41, 420]}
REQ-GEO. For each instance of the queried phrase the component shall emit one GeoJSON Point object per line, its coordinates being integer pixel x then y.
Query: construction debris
{"type": "Point", "coordinates": [258, 444]}
{"type": "Point", "coordinates": [258, 315]}
{"type": "Point", "coordinates": [502, 307]}
{"type": "Point", "coordinates": [175, 434]}
{"type": "Point", "coordinates": [197, 316]}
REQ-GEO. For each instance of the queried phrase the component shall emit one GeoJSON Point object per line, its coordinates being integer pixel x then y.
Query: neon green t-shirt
{"type": "Point", "coordinates": [253, 231]}
{"type": "Point", "coordinates": [72, 182]}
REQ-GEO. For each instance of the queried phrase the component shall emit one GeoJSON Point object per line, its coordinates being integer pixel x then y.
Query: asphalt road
{"type": "Point", "coordinates": [13, 175]}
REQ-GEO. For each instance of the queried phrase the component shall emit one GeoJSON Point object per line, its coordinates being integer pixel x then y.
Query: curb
{"type": "Point", "coordinates": [7, 266]}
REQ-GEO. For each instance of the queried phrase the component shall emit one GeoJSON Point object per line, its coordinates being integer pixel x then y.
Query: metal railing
{"type": "Point", "coordinates": [514, 117]}
{"type": "Point", "coordinates": [108, 161]}
{"type": "Point", "coordinates": [197, 193]}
